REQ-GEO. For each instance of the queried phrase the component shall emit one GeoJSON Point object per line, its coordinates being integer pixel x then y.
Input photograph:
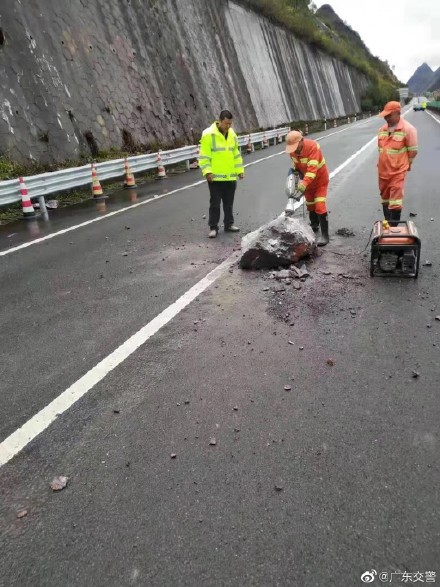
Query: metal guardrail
{"type": "Point", "coordinates": [52, 182]}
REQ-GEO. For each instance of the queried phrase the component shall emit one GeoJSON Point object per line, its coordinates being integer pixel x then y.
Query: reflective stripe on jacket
{"type": "Point", "coordinates": [396, 149]}
{"type": "Point", "coordinates": [219, 155]}
{"type": "Point", "coordinates": [311, 164]}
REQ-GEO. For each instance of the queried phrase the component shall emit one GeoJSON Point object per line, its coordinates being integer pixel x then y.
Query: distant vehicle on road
{"type": "Point", "coordinates": [420, 104]}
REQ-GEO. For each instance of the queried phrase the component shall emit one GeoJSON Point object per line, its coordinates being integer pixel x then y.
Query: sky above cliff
{"type": "Point", "coordinates": [405, 34]}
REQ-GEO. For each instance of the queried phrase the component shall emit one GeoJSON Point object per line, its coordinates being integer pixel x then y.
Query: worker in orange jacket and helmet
{"type": "Point", "coordinates": [397, 144]}
{"type": "Point", "coordinates": [309, 162]}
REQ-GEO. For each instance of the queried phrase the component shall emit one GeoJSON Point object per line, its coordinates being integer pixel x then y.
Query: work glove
{"type": "Point", "coordinates": [297, 196]}
{"type": "Point", "coordinates": [301, 188]}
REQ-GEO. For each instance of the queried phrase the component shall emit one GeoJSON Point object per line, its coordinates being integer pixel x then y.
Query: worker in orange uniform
{"type": "Point", "coordinates": [309, 162]}
{"type": "Point", "coordinates": [397, 143]}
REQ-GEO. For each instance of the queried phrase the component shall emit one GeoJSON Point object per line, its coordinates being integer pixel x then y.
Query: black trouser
{"type": "Point", "coordinates": [221, 191]}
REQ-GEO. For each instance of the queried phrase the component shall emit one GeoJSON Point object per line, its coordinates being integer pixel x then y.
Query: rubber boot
{"type": "Point", "coordinates": [394, 217]}
{"type": "Point", "coordinates": [324, 238]}
{"type": "Point", "coordinates": [386, 211]}
{"type": "Point", "coordinates": [314, 221]}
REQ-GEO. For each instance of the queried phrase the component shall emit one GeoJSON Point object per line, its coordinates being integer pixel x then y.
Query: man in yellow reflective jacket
{"type": "Point", "coordinates": [221, 163]}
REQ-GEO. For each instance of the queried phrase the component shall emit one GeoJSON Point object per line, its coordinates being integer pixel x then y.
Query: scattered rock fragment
{"type": "Point", "coordinates": [173, 455]}
{"type": "Point", "coordinates": [59, 483]}
{"type": "Point", "coordinates": [22, 514]}
{"type": "Point", "coordinates": [287, 388]}
{"type": "Point", "coordinates": [415, 374]}
{"type": "Point", "coordinates": [345, 232]}
{"type": "Point", "coordinates": [213, 442]}
{"type": "Point", "coordinates": [283, 274]}
{"type": "Point", "coordinates": [330, 362]}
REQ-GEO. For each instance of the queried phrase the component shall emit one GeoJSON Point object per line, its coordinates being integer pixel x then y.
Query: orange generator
{"type": "Point", "coordinates": [395, 250]}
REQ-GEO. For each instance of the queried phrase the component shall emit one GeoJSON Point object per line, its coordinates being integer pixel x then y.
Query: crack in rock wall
{"type": "Point", "coordinates": [81, 76]}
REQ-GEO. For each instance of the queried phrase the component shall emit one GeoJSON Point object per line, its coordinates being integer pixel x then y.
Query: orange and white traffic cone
{"type": "Point", "coordinates": [161, 173]}
{"type": "Point", "coordinates": [265, 141]}
{"type": "Point", "coordinates": [129, 182]}
{"type": "Point", "coordinates": [26, 204]}
{"type": "Point", "coordinates": [195, 163]}
{"type": "Point", "coordinates": [96, 186]}
{"type": "Point", "coordinates": [249, 146]}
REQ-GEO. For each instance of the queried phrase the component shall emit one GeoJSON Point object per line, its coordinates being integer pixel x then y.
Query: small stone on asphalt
{"type": "Point", "coordinates": [59, 483]}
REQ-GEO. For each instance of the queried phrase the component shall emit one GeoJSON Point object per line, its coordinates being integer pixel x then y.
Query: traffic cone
{"type": "Point", "coordinates": [195, 163]}
{"type": "Point", "coordinates": [161, 173]}
{"type": "Point", "coordinates": [26, 204]}
{"type": "Point", "coordinates": [249, 146]}
{"type": "Point", "coordinates": [96, 186]}
{"type": "Point", "coordinates": [129, 182]}
{"type": "Point", "coordinates": [348, 120]}
{"type": "Point", "coordinates": [265, 141]}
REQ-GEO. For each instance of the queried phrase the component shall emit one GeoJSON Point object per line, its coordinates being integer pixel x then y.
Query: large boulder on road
{"type": "Point", "coordinates": [282, 242]}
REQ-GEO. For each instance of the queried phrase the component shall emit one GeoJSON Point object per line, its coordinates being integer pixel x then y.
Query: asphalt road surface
{"type": "Point", "coordinates": [188, 463]}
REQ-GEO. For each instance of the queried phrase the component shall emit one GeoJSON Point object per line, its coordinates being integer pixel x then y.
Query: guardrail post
{"type": "Point", "coordinates": [325, 123]}
{"type": "Point", "coordinates": [43, 208]}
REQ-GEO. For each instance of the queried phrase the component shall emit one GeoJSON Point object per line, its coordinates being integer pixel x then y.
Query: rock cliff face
{"type": "Point", "coordinates": [80, 76]}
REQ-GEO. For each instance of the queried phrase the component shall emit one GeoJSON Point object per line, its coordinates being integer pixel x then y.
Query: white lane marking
{"type": "Point", "coordinates": [350, 159]}
{"type": "Point", "coordinates": [155, 198]}
{"type": "Point", "coordinates": [38, 423]}
{"type": "Point", "coordinates": [14, 443]}
{"type": "Point", "coordinates": [433, 117]}
{"type": "Point", "coordinates": [87, 222]}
